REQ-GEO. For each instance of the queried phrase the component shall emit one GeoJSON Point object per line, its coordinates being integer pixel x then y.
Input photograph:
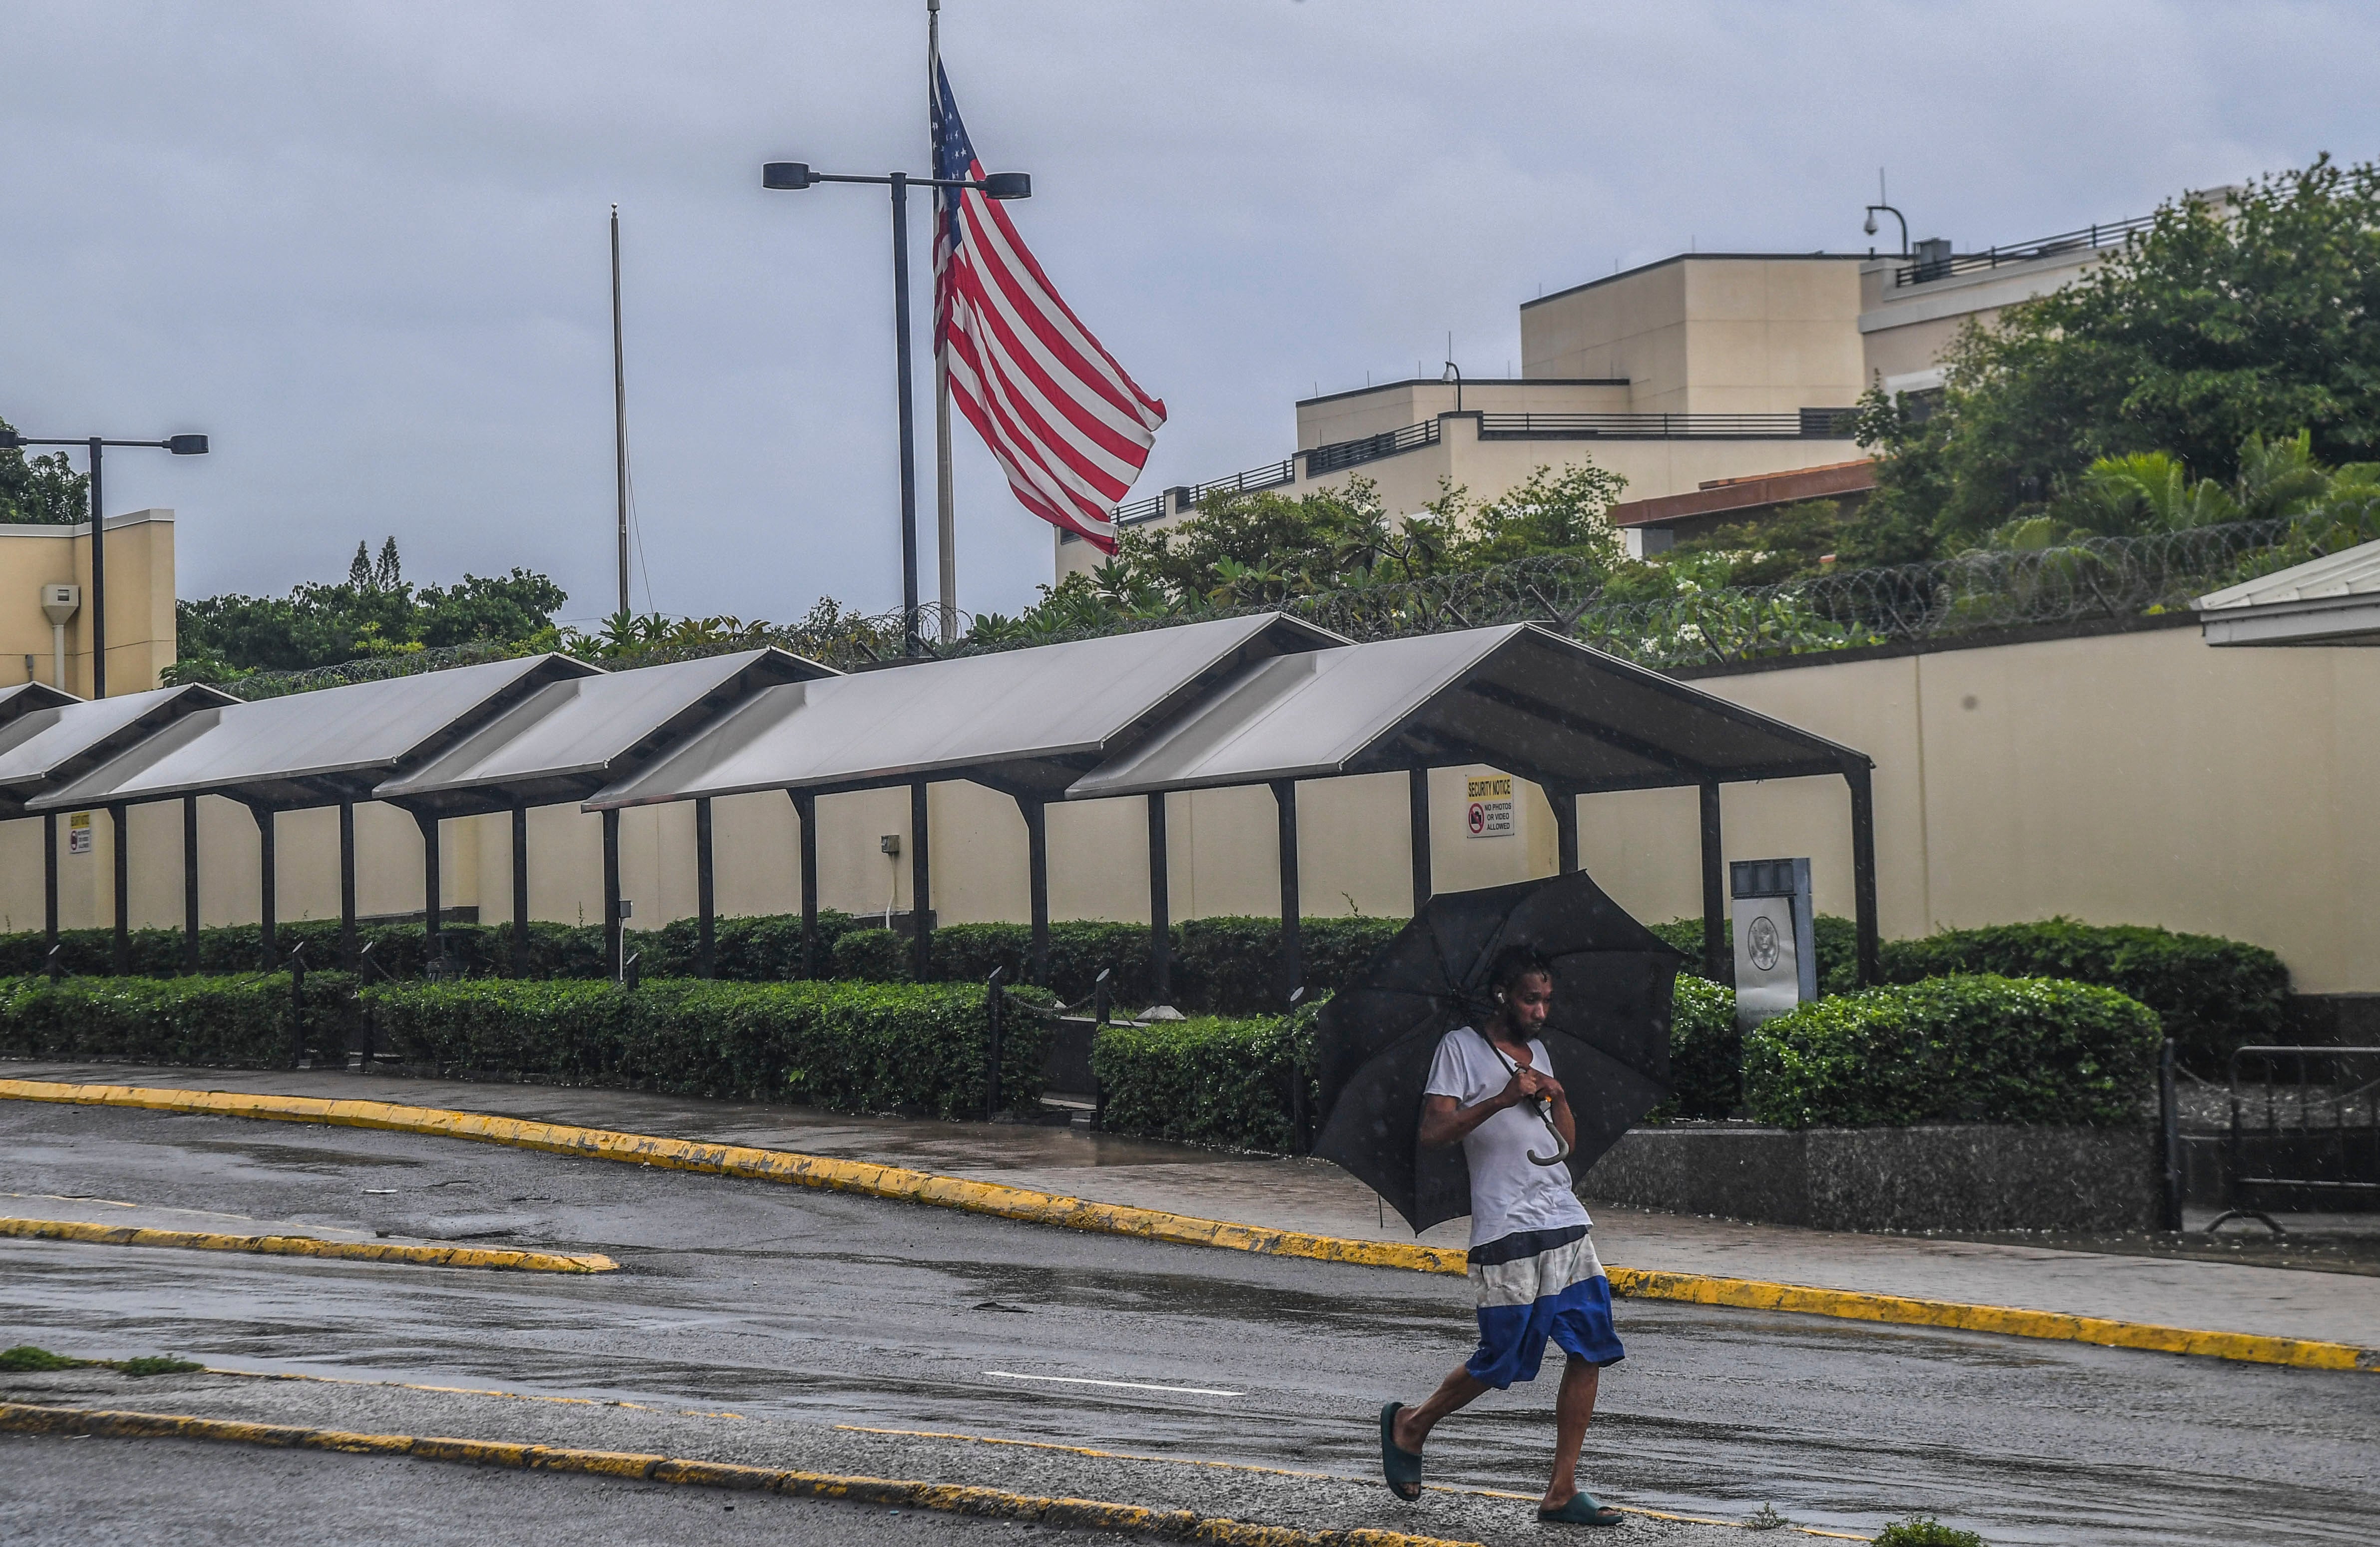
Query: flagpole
{"type": "Point", "coordinates": [619, 414]}
{"type": "Point", "coordinates": [945, 519]}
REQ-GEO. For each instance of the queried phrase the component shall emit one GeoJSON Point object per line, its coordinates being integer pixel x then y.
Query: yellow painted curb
{"type": "Point", "coordinates": [307, 1245]}
{"type": "Point", "coordinates": [951, 1498]}
{"type": "Point", "coordinates": [870, 1179]}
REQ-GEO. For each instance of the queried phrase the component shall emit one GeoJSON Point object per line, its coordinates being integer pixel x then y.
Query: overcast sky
{"type": "Point", "coordinates": [363, 246]}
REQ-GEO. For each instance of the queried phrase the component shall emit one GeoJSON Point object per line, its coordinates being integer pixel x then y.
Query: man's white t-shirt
{"type": "Point", "coordinates": [1509, 1191]}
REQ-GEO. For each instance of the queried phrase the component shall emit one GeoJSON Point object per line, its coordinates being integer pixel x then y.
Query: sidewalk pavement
{"type": "Point", "coordinates": [1315, 1196]}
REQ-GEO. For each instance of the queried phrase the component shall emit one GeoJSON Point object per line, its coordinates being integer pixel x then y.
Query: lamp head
{"type": "Point", "coordinates": [10, 440]}
{"type": "Point", "coordinates": [1007, 185]}
{"type": "Point", "coordinates": [186, 445]}
{"type": "Point", "coordinates": [1870, 227]}
{"type": "Point", "coordinates": [786, 175]}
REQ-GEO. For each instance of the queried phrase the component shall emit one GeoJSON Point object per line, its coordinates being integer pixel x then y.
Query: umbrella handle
{"type": "Point", "coordinates": [1561, 1148]}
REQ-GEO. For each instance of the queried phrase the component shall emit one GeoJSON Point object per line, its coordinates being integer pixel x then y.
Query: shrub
{"type": "Point", "coordinates": [1208, 1081]}
{"type": "Point", "coordinates": [1231, 965]}
{"type": "Point", "coordinates": [857, 1047]}
{"type": "Point", "coordinates": [2211, 994]}
{"type": "Point", "coordinates": [1976, 1049]}
{"type": "Point", "coordinates": [174, 1020]}
{"type": "Point", "coordinates": [873, 955]}
{"type": "Point", "coordinates": [755, 948]}
{"type": "Point", "coordinates": [1078, 950]}
{"type": "Point", "coordinates": [1706, 1052]}
{"type": "Point", "coordinates": [1924, 1531]}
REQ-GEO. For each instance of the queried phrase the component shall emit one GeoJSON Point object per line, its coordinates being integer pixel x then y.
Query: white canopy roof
{"type": "Point", "coordinates": [2334, 600]}
{"type": "Point", "coordinates": [1028, 720]}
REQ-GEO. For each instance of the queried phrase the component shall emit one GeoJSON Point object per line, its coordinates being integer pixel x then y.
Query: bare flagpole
{"type": "Point", "coordinates": [945, 519]}
{"type": "Point", "coordinates": [619, 412]}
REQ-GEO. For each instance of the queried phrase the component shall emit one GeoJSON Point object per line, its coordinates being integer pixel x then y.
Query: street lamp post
{"type": "Point", "coordinates": [793, 175]}
{"type": "Point", "coordinates": [180, 446]}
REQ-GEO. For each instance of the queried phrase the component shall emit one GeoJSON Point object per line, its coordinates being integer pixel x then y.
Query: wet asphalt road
{"type": "Point", "coordinates": [828, 1309]}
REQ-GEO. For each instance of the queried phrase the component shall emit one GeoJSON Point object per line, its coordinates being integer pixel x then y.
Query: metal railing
{"type": "Point", "coordinates": [2090, 237]}
{"type": "Point", "coordinates": [1797, 424]}
{"type": "Point", "coordinates": [1370, 449]}
{"type": "Point", "coordinates": [1272, 475]}
{"type": "Point", "coordinates": [2305, 1132]}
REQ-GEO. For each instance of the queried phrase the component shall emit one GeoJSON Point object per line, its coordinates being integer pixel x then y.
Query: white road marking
{"type": "Point", "coordinates": [1127, 1386]}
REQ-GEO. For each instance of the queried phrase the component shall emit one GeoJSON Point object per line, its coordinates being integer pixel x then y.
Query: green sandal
{"type": "Point", "coordinates": [1401, 1467]}
{"type": "Point", "coordinates": [1582, 1510]}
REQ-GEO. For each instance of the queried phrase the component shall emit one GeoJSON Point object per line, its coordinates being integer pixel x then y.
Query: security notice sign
{"type": "Point", "coordinates": [1490, 814]}
{"type": "Point", "coordinates": [78, 832]}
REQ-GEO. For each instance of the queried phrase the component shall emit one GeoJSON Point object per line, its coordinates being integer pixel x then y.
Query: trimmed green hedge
{"type": "Point", "coordinates": [761, 948]}
{"type": "Point", "coordinates": [1975, 1049]}
{"type": "Point", "coordinates": [1705, 1053]}
{"type": "Point", "coordinates": [1207, 1079]}
{"type": "Point", "coordinates": [2212, 994]}
{"type": "Point", "coordinates": [1227, 966]}
{"type": "Point", "coordinates": [205, 1020]}
{"type": "Point", "coordinates": [857, 1047]}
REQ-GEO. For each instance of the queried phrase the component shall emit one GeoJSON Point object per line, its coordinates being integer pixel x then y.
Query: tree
{"type": "Point", "coordinates": [374, 611]}
{"type": "Point", "coordinates": [41, 491]}
{"type": "Point", "coordinates": [2220, 327]}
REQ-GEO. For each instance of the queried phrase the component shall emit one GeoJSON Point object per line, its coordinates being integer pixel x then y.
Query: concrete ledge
{"type": "Point", "coordinates": [950, 1498]}
{"type": "Point", "coordinates": [423, 1254]}
{"type": "Point", "coordinates": [1961, 1176]}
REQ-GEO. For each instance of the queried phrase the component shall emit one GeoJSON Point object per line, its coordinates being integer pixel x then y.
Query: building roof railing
{"type": "Point", "coordinates": [2114, 234]}
{"type": "Point", "coordinates": [1339, 456]}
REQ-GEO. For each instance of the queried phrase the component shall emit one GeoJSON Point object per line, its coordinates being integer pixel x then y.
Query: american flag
{"type": "Point", "coordinates": [1070, 428]}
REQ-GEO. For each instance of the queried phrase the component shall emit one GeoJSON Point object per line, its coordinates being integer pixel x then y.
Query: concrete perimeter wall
{"type": "Point", "coordinates": [2128, 778]}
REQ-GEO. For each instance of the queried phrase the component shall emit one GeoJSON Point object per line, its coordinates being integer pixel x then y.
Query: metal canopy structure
{"type": "Point", "coordinates": [2334, 600]}
{"type": "Point", "coordinates": [1026, 723]}
{"type": "Point", "coordinates": [568, 738]}
{"type": "Point", "coordinates": [308, 749]}
{"type": "Point", "coordinates": [50, 745]}
{"type": "Point", "coordinates": [1569, 719]}
{"type": "Point", "coordinates": [315, 748]}
{"type": "Point", "coordinates": [48, 739]}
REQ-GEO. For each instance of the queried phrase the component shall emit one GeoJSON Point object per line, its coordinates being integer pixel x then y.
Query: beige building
{"type": "Point", "coordinates": [1684, 376]}
{"type": "Point", "coordinates": [140, 640]}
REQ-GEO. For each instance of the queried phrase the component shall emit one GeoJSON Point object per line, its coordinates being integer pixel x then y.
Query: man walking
{"type": "Point", "coordinates": [1533, 1264]}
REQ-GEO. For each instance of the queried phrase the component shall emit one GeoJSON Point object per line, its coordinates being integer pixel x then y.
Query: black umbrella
{"type": "Point", "coordinates": [1607, 1033]}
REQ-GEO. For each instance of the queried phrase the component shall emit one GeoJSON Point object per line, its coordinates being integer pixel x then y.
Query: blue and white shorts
{"type": "Point", "coordinates": [1537, 1285]}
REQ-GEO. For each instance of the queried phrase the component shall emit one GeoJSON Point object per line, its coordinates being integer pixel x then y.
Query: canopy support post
{"type": "Point", "coordinates": [1864, 872]}
{"type": "Point", "coordinates": [267, 923]}
{"type": "Point", "coordinates": [921, 880]}
{"type": "Point", "coordinates": [1715, 959]}
{"type": "Point", "coordinates": [705, 893]}
{"type": "Point", "coordinates": [1292, 960]}
{"type": "Point", "coordinates": [1566, 805]}
{"type": "Point", "coordinates": [190, 884]}
{"type": "Point", "coordinates": [1417, 823]}
{"type": "Point", "coordinates": [1036, 877]}
{"type": "Point", "coordinates": [805, 812]}
{"type": "Point", "coordinates": [1161, 904]}
{"type": "Point", "coordinates": [349, 960]}
{"type": "Point", "coordinates": [118, 825]}
{"type": "Point", "coordinates": [50, 890]}
{"type": "Point", "coordinates": [432, 946]}
{"type": "Point", "coordinates": [613, 957]}
{"type": "Point", "coordinates": [520, 890]}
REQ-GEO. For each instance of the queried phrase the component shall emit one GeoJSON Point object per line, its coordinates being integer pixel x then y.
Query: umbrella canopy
{"type": "Point", "coordinates": [1607, 1034]}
